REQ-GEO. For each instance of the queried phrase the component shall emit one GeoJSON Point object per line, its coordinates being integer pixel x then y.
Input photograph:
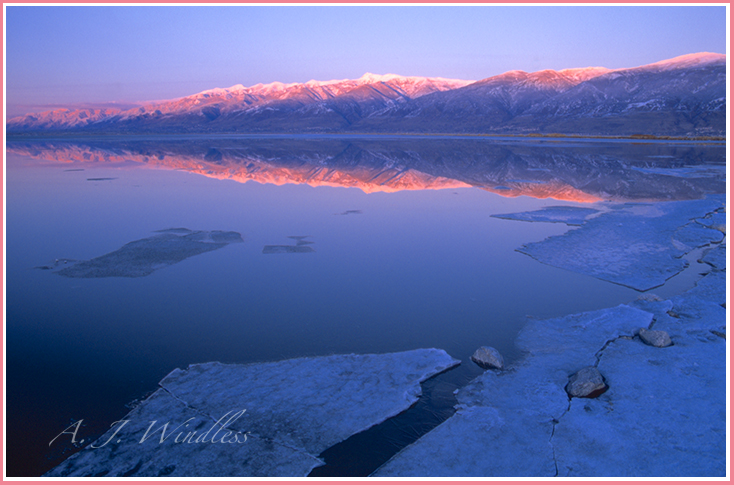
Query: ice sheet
{"type": "Point", "coordinates": [294, 410]}
{"type": "Point", "coordinates": [571, 215]}
{"type": "Point", "coordinates": [635, 245]}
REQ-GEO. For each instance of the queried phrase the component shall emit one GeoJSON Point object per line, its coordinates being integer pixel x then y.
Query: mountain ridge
{"type": "Point", "coordinates": [684, 95]}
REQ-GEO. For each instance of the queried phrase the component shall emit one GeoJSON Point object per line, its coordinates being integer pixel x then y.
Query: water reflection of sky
{"type": "Point", "coordinates": [420, 268]}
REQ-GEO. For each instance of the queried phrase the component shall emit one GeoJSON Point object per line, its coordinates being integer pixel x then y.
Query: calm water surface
{"type": "Point", "coordinates": [405, 256]}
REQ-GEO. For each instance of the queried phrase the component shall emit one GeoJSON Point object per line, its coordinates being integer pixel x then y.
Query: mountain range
{"type": "Point", "coordinates": [683, 96]}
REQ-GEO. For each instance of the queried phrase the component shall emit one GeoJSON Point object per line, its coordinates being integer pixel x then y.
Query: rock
{"type": "Point", "coordinates": [656, 338]}
{"type": "Point", "coordinates": [588, 382]}
{"type": "Point", "coordinates": [488, 358]}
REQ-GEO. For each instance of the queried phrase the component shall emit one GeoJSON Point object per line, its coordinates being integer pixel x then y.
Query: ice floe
{"type": "Point", "coordinates": [273, 418]}
{"type": "Point", "coordinates": [715, 257]}
{"type": "Point", "coordinates": [717, 221]}
{"type": "Point", "coordinates": [301, 246]}
{"type": "Point", "coordinates": [142, 257]}
{"type": "Point", "coordinates": [635, 245]}
{"type": "Point", "coordinates": [573, 216]}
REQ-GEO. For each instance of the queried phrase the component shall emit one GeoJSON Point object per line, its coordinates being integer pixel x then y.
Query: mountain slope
{"type": "Point", "coordinates": [685, 95]}
{"type": "Point", "coordinates": [681, 96]}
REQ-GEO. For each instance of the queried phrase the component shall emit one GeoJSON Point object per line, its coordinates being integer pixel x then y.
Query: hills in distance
{"type": "Point", "coordinates": [683, 96]}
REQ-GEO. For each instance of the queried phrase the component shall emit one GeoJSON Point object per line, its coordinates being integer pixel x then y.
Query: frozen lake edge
{"type": "Point", "coordinates": [663, 415]}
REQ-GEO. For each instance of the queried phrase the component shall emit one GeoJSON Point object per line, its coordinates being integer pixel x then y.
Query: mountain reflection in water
{"type": "Point", "coordinates": [585, 171]}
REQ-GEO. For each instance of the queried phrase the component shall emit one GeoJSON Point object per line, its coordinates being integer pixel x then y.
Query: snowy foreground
{"type": "Point", "coordinates": [663, 414]}
{"type": "Point", "coordinates": [293, 410]}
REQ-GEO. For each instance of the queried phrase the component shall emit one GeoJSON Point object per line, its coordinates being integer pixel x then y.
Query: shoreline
{"type": "Point", "coordinates": [637, 138]}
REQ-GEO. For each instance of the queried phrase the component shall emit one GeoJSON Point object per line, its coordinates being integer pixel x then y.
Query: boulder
{"type": "Point", "coordinates": [588, 382]}
{"type": "Point", "coordinates": [488, 358]}
{"type": "Point", "coordinates": [656, 338]}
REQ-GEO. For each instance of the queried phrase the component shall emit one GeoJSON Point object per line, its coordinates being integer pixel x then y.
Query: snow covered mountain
{"type": "Point", "coordinates": [681, 96]}
{"type": "Point", "coordinates": [685, 95]}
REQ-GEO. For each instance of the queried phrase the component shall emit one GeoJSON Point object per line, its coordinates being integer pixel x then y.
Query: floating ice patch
{"type": "Point", "coordinates": [266, 419]}
{"type": "Point", "coordinates": [56, 264]}
{"type": "Point", "coordinates": [692, 236]}
{"type": "Point", "coordinates": [717, 221]}
{"type": "Point", "coordinates": [573, 216]}
{"type": "Point", "coordinates": [301, 246]}
{"type": "Point", "coordinates": [300, 240]}
{"type": "Point", "coordinates": [715, 257]}
{"type": "Point", "coordinates": [176, 230]}
{"type": "Point", "coordinates": [142, 257]}
{"type": "Point", "coordinates": [633, 245]}
{"type": "Point", "coordinates": [275, 249]}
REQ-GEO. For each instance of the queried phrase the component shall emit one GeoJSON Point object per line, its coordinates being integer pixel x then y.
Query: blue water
{"type": "Point", "coordinates": [412, 269]}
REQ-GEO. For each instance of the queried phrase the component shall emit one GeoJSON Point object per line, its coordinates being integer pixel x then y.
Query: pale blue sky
{"type": "Point", "coordinates": [66, 55]}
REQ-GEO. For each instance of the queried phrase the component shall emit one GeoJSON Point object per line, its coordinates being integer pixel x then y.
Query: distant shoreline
{"type": "Point", "coordinates": [632, 138]}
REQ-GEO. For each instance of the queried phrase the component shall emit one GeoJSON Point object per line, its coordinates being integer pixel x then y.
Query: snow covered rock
{"type": "Point", "coordinates": [488, 358]}
{"type": "Point", "coordinates": [656, 338]}
{"type": "Point", "coordinates": [587, 382]}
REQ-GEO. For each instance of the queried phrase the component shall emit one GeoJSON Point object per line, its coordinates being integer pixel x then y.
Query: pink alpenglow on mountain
{"type": "Point", "coordinates": [683, 96]}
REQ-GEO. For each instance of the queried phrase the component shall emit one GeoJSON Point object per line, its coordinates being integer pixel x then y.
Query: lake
{"type": "Point", "coordinates": [349, 245]}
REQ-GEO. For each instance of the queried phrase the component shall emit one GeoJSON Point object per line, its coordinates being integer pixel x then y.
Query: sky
{"type": "Point", "coordinates": [61, 56]}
